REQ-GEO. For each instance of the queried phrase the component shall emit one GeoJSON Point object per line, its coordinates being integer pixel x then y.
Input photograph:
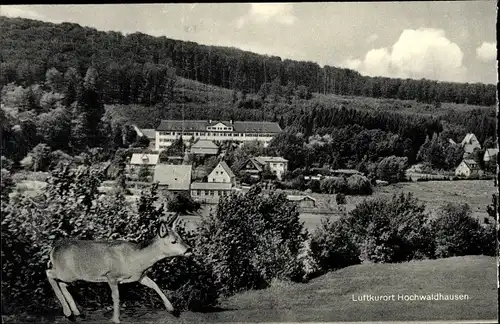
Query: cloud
{"type": "Point", "coordinates": [421, 53]}
{"type": "Point", "coordinates": [19, 11]}
{"type": "Point", "coordinates": [262, 13]}
{"type": "Point", "coordinates": [371, 38]}
{"type": "Point", "coordinates": [487, 52]}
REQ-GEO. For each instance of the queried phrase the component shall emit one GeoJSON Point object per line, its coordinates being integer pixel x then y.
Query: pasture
{"type": "Point", "coordinates": [330, 297]}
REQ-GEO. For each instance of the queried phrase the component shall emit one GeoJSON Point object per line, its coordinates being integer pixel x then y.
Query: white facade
{"type": "Point", "coordinates": [221, 174]}
{"type": "Point", "coordinates": [169, 131]}
{"type": "Point", "coordinates": [277, 165]}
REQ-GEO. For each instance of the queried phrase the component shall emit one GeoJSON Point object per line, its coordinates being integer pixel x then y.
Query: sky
{"type": "Point", "coordinates": [438, 40]}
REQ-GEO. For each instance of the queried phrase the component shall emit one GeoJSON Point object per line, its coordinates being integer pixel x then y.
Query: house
{"type": "Point", "coordinates": [222, 173]}
{"type": "Point", "coordinates": [212, 130]}
{"type": "Point", "coordinates": [149, 133]}
{"type": "Point", "coordinates": [252, 167]}
{"type": "Point", "coordinates": [468, 168]}
{"type": "Point", "coordinates": [303, 201]}
{"type": "Point", "coordinates": [470, 143]}
{"type": "Point", "coordinates": [173, 178]}
{"type": "Point", "coordinates": [141, 159]}
{"type": "Point", "coordinates": [204, 147]}
{"type": "Point", "coordinates": [490, 154]}
{"type": "Point", "coordinates": [277, 165]}
{"type": "Point", "coordinates": [210, 192]}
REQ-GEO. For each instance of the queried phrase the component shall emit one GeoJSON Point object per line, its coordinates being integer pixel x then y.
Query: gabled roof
{"type": "Point", "coordinates": [211, 186]}
{"type": "Point", "coordinates": [256, 163]}
{"type": "Point", "coordinates": [226, 168]}
{"type": "Point", "coordinates": [270, 159]}
{"type": "Point", "coordinates": [299, 198]}
{"type": "Point", "coordinates": [177, 177]}
{"type": "Point", "coordinates": [470, 139]}
{"type": "Point", "coordinates": [149, 133]}
{"type": "Point", "coordinates": [144, 159]}
{"type": "Point", "coordinates": [204, 144]}
{"type": "Point", "coordinates": [201, 125]}
{"type": "Point", "coordinates": [471, 164]}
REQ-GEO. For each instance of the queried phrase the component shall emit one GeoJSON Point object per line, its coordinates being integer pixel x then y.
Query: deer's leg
{"type": "Point", "coordinates": [52, 280]}
{"type": "Point", "coordinates": [113, 284]}
{"type": "Point", "coordinates": [148, 282]}
{"type": "Point", "coordinates": [69, 299]}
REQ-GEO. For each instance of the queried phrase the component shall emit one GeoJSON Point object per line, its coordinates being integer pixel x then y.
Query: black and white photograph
{"type": "Point", "coordinates": [290, 162]}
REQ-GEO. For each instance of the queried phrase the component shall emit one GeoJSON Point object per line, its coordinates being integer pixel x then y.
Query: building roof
{"type": "Point", "coordinates": [204, 144]}
{"type": "Point", "coordinates": [149, 132]}
{"type": "Point", "coordinates": [258, 165]}
{"type": "Point", "coordinates": [299, 198]}
{"type": "Point", "coordinates": [226, 168]}
{"type": "Point", "coordinates": [270, 159]}
{"type": "Point", "coordinates": [471, 164]}
{"type": "Point", "coordinates": [211, 186]}
{"type": "Point", "coordinates": [177, 177]}
{"type": "Point", "coordinates": [144, 159]}
{"type": "Point", "coordinates": [470, 139]}
{"type": "Point", "coordinates": [201, 126]}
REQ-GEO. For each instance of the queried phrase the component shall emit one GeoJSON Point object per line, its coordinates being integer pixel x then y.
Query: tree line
{"type": "Point", "coordinates": [30, 47]}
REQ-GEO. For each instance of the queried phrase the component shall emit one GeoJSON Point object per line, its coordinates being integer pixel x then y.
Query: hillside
{"type": "Point", "coordinates": [329, 298]}
{"type": "Point", "coordinates": [29, 48]}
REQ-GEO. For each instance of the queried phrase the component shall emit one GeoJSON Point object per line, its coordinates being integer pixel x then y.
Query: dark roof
{"type": "Point", "coordinates": [201, 125]}
{"type": "Point", "coordinates": [226, 168]}
{"type": "Point", "coordinates": [471, 164]}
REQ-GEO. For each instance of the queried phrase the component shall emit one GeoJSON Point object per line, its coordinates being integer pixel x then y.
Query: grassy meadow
{"type": "Point", "coordinates": [330, 297]}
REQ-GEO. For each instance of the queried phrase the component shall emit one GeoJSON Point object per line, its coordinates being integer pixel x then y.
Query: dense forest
{"type": "Point", "coordinates": [30, 48]}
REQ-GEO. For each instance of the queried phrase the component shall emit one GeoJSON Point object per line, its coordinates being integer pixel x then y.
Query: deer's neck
{"type": "Point", "coordinates": [150, 254]}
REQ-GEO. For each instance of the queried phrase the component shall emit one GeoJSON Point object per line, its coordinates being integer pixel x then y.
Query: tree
{"type": "Point", "coordinates": [341, 201]}
{"type": "Point", "coordinates": [54, 80]}
{"type": "Point", "coordinates": [183, 204]}
{"type": "Point", "coordinates": [6, 186]}
{"type": "Point", "coordinates": [144, 173]}
{"type": "Point", "coordinates": [40, 156]}
{"type": "Point", "coordinates": [72, 86]}
{"type": "Point", "coordinates": [392, 169]}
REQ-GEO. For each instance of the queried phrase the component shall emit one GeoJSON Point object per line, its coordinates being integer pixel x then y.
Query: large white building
{"type": "Point", "coordinates": [241, 131]}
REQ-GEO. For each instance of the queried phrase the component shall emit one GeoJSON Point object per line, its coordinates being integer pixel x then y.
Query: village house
{"type": "Point", "coordinates": [173, 178]}
{"type": "Point", "coordinates": [277, 165]}
{"type": "Point", "coordinates": [303, 201]}
{"type": "Point", "coordinates": [252, 167]}
{"type": "Point", "coordinates": [490, 154]}
{"type": "Point", "coordinates": [149, 133]}
{"type": "Point", "coordinates": [139, 160]}
{"type": "Point", "coordinates": [470, 143]}
{"type": "Point", "coordinates": [210, 192]}
{"type": "Point", "coordinates": [236, 131]}
{"type": "Point", "coordinates": [222, 173]}
{"type": "Point", "coordinates": [204, 147]}
{"type": "Point", "coordinates": [220, 184]}
{"type": "Point", "coordinates": [468, 168]}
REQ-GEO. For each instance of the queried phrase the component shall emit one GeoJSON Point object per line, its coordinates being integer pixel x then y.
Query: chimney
{"type": "Point", "coordinates": [209, 121]}
{"type": "Point", "coordinates": [231, 121]}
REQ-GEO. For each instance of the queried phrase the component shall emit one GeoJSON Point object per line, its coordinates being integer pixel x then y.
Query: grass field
{"type": "Point", "coordinates": [330, 297]}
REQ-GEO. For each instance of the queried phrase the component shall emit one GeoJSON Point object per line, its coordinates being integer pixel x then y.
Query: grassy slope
{"type": "Point", "coordinates": [329, 298]}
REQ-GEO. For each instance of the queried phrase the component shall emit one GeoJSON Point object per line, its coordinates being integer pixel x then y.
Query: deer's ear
{"type": "Point", "coordinates": [162, 230]}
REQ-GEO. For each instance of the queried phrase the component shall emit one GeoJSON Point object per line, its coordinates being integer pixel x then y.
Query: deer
{"type": "Point", "coordinates": [114, 262]}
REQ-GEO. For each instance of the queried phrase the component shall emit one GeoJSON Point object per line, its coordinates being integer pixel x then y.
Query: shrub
{"type": "Point", "coordinates": [6, 186]}
{"type": "Point", "coordinates": [359, 185]}
{"type": "Point", "coordinates": [71, 207]}
{"type": "Point", "coordinates": [252, 239]}
{"type": "Point", "coordinates": [332, 246]}
{"type": "Point", "coordinates": [457, 233]}
{"type": "Point", "coordinates": [391, 230]}
{"type": "Point", "coordinates": [392, 169]}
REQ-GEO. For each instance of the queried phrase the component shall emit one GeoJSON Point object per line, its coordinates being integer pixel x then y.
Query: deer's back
{"type": "Point", "coordinates": [90, 260]}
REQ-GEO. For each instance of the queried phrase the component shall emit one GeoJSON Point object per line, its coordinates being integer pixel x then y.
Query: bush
{"type": "Point", "coordinates": [332, 246]}
{"type": "Point", "coordinates": [6, 186]}
{"type": "Point", "coordinates": [457, 233]}
{"type": "Point", "coordinates": [359, 185]}
{"type": "Point", "coordinates": [71, 207]}
{"type": "Point", "coordinates": [252, 239]}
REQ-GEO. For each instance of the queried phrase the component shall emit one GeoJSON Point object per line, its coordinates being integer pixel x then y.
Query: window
{"type": "Point", "coordinates": [206, 192]}
{"type": "Point", "coordinates": [220, 192]}
{"type": "Point", "coordinates": [211, 192]}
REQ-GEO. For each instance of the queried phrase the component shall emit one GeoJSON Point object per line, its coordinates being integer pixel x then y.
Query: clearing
{"type": "Point", "coordinates": [330, 297]}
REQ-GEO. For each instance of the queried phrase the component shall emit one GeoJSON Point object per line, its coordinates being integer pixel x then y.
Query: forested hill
{"type": "Point", "coordinates": [29, 48]}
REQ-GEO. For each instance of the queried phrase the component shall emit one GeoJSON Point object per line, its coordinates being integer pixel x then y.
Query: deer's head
{"type": "Point", "coordinates": [170, 241]}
